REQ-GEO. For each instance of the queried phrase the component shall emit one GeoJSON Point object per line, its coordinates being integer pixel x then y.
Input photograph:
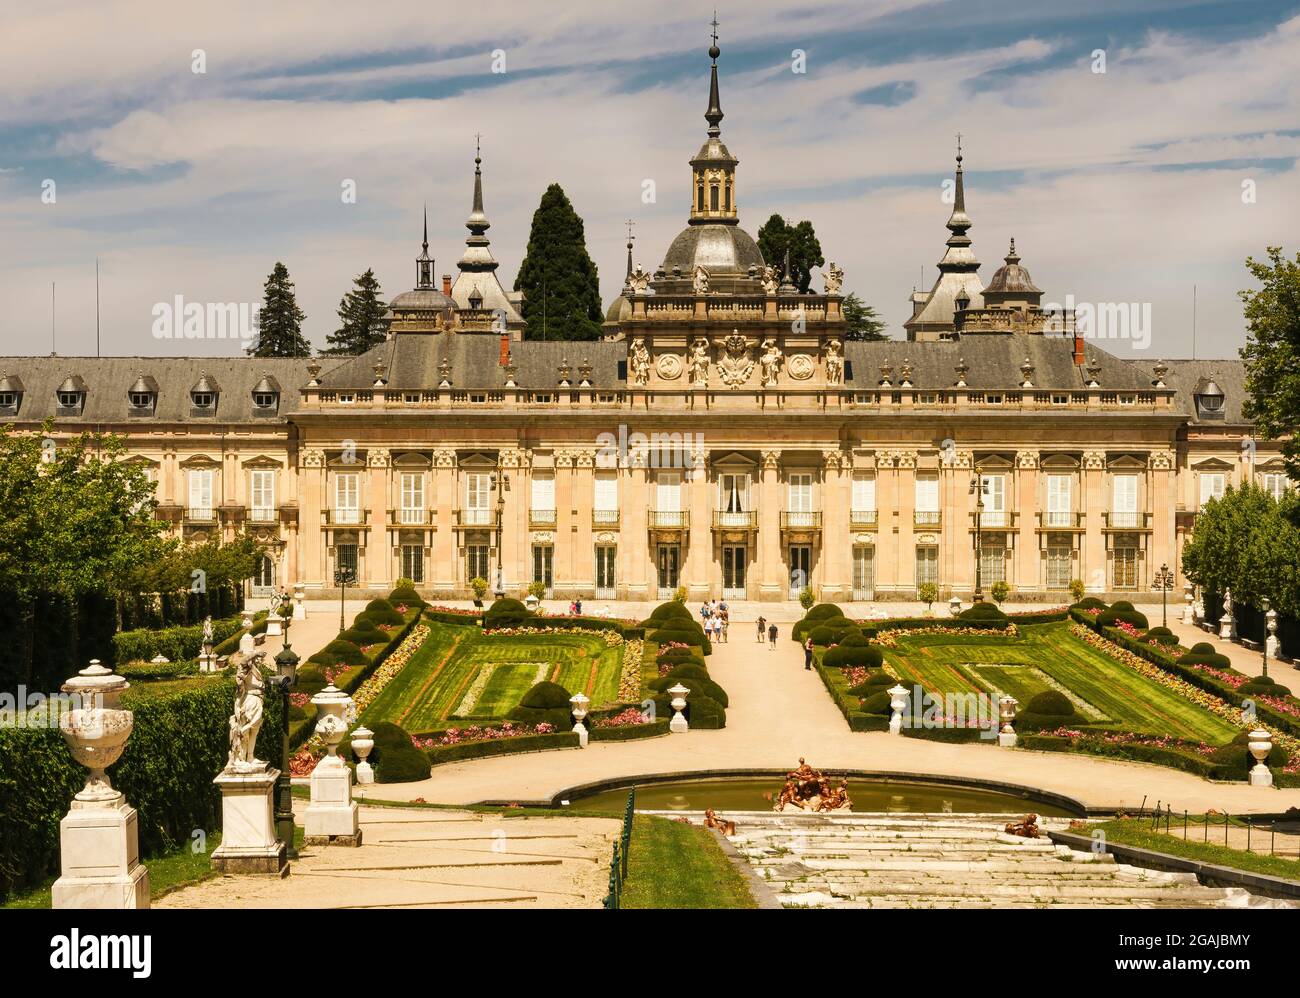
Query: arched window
{"type": "Point", "coordinates": [699, 198]}
{"type": "Point", "coordinates": [713, 197]}
{"type": "Point", "coordinates": [728, 197]}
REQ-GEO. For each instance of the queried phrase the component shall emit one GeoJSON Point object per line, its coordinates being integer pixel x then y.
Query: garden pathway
{"type": "Point", "coordinates": [779, 712]}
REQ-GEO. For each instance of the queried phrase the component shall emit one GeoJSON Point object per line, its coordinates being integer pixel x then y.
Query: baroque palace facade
{"type": "Point", "coordinates": [723, 436]}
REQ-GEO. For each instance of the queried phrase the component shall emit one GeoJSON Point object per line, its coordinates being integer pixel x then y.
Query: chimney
{"type": "Point", "coordinates": [446, 284]}
{"type": "Point", "coordinates": [505, 350]}
{"type": "Point", "coordinates": [1078, 350]}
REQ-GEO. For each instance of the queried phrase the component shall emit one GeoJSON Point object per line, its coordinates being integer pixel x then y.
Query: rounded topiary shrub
{"type": "Point", "coordinates": [363, 636]}
{"type": "Point", "coordinates": [1263, 686]}
{"type": "Point", "coordinates": [545, 702]}
{"type": "Point", "coordinates": [982, 611]}
{"type": "Point", "coordinates": [546, 695]}
{"type": "Point", "coordinates": [388, 618]}
{"type": "Point", "coordinates": [877, 703]}
{"type": "Point", "coordinates": [824, 611]}
{"type": "Point", "coordinates": [704, 712]}
{"type": "Point", "coordinates": [848, 653]}
{"type": "Point", "coordinates": [311, 678]}
{"type": "Point", "coordinates": [700, 686]}
{"type": "Point", "coordinates": [1203, 653]}
{"type": "Point", "coordinates": [1046, 711]}
{"type": "Point", "coordinates": [672, 610]}
{"type": "Point", "coordinates": [873, 684]}
{"type": "Point", "coordinates": [1122, 611]}
{"type": "Point", "coordinates": [1088, 603]}
{"type": "Point", "coordinates": [344, 651]}
{"type": "Point", "coordinates": [1160, 635]}
{"type": "Point", "coordinates": [405, 596]}
{"type": "Point", "coordinates": [505, 612]}
{"type": "Point", "coordinates": [379, 604]}
{"type": "Point", "coordinates": [688, 669]}
{"type": "Point", "coordinates": [395, 758]}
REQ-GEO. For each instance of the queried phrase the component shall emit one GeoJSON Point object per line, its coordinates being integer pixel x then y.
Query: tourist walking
{"type": "Point", "coordinates": [808, 654]}
{"type": "Point", "coordinates": [762, 628]}
{"type": "Point", "coordinates": [771, 636]}
{"type": "Point", "coordinates": [723, 622]}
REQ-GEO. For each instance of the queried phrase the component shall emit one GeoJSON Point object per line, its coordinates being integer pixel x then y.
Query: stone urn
{"type": "Point", "coordinates": [678, 692]}
{"type": "Point", "coordinates": [363, 741]}
{"type": "Point", "coordinates": [954, 605]}
{"type": "Point", "coordinates": [897, 703]}
{"type": "Point", "coordinates": [1260, 745]}
{"type": "Point", "coordinates": [578, 708]}
{"type": "Point", "coordinates": [97, 729]}
{"type": "Point", "coordinates": [299, 604]}
{"type": "Point", "coordinates": [245, 619]}
{"type": "Point", "coordinates": [1007, 705]}
{"type": "Point", "coordinates": [331, 705]}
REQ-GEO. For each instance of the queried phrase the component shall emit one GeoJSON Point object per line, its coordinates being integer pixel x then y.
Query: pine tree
{"type": "Point", "coordinates": [861, 320]}
{"type": "Point", "coordinates": [361, 318]}
{"type": "Point", "coordinates": [557, 277]}
{"type": "Point", "coordinates": [279, 324]}
{"type": "Point", "coordinates": [805, 249]}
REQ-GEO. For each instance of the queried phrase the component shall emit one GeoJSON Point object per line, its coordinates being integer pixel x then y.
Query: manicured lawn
{"type": "Point", "coordinates": [460, 673]}
{"type": "Point", "coordinates": [1048, 656]}
{"type": "Point", "coordinates": [673, 865]}
{"type": "Point", "coordinates": [1138, 832]}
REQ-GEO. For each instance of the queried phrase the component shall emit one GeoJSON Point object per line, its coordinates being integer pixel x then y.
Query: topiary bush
{"type": "Point", "coordinates": [1263, 686]}
{"type": "Point", "coordinates": [1203, 653]}
{"type": "Point", "coordinates": [505, 612]}
{"type": "Point", "coordinates": [982, 612]}
{"type": "Point", "coordinates": [705, 713]}
{"type": "Point", "coordinates": [379, 604]}
{"type": "Point", "coordinates": [388, 618]}
{"type": "Point", "coordinates": [545, 702]}
{"type": "Point", "coordinates": [395, 757]}
{"type": "Point", "coordinates": [1046, 711]}
{"type": "Point", "coordinates": [1122, 611]}
{"type": "Point", "coordinates": [700, 686]}
{"type": "Point", "coordinates": [853, 650]}
{"type": "Point", "coordinates": [1088, 603]}
{"type": "Point", "coordinates": [877, 703]}
{"type": "Point", "coordinates": [1160, 635]}
{"type": "Point", "coordinates": [405, 596]}
{"type": "Point", "coordinates": [344, 651]}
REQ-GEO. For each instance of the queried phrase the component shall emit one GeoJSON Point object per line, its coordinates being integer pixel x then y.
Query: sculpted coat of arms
{"type": "Point", "coordinates": [734, 364]}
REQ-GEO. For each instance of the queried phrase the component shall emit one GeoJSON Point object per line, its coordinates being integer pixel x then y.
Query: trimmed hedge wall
{"type": "Point", "coordinates": [500, 746]}
{"type": "Point", "coordinates": [630, 732]}
{"type": "Point", "coordinates": [179, 742]}
{"type": "Point", "coordinates": [174, 643]}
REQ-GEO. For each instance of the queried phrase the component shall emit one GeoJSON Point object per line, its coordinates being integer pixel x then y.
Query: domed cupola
{"type": "Point", "coordinates": [1011, 284]}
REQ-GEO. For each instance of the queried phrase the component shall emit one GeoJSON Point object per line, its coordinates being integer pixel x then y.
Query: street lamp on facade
{"type": "Point", "coordinates": [1270, 617]}
{"type": "Point", "coordinates": [344, 576]}
{"type": "Point", "coordinates": [978, 488]}
{"type": "Point", "coordinates": [1165, 580]}
{"type": "Point", "coordinates": [500, 485]}
{"type": "Point", "coordinates": [286, 675]}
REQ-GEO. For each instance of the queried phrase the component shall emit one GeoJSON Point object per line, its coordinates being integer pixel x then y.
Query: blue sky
{"type": "Point", "coordinates": [1118, 186]}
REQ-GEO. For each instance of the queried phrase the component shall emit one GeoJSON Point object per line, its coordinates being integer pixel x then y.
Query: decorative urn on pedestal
{"type": "Point", "coordinates": [578, 708]}
{"type": "Point", "coordinates": [363, 741]}
{"type": "Point", "coordinates": [299, 601]}
{"type": "Point", "coordinates": [332, 815]}
{"type": "Point", "coordinates": [1260, 745]}
{"type": "Point", "coordinates": [678, 692]}
{"type": "Point", "coordinates": [897, 703]}
{"type": "Point", "coordinates": [98, 838]}
{"type": "Point", "coordinates": [954, 605]}
{"type": "Point", "coordinates": [1007, 705]}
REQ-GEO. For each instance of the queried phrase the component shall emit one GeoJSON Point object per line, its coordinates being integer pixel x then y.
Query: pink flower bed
{"type": "Point", "coordinates": [624, 719]}
{"type": "Point", "coordinates": [1130, 738]}
{"type": "Point", "coordinates": [477, 733]}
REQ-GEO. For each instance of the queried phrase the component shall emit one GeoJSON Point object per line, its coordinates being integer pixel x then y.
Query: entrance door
{"type": "Point", "coordinates": [864, 572]}
{"type": "Point", "coordinates": [543, 560]}
{"type": "Point", "coordinates": [800, 568]}
{"type": "Point", "coordinates": [605, 572]}
{"type": "Point", "coordinates": [669, 561]}
{"type": "Point", "coordinates": [733, 571]}
{"type": "Point", "coordinates": [264, 577]}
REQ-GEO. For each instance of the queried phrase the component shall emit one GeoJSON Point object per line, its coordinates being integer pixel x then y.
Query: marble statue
{"type": "Point", "coordinates": [771, 362]}
{"type": "Point", "coordinates": [639, 361]}
{"type": "Point", "coordinates": [770, 280]}
{"type": "Point", "coordinates": [639, 281]}
{"type": "Point", "coordinates": [834, 363]}
{"type": "Point", "coordinates": [700, 362]}
{"type": "Point", "coordinates": [701, 281]}
{"type": "Point", "coordinates": [207, 631]}
{"type": "Point", "coordinates": [246, 721]}
{"type": "Point", "coordinates": [834, 279]}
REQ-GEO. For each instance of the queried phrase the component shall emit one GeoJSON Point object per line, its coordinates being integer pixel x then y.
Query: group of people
{"type": "Point", "coordinates": [766, 630]}
{"type": "Point", "coordinates": [715, 616]}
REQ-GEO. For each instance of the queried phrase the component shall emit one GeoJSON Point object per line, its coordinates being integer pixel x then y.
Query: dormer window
{"type": "Point", "coordinates": [143, 394]}
{"type": "Point", "coordinates": [142, 400]}
{"type": "Point", "coordinates": [1208, 397]}
{"type": "Point", "coordinates": [203, 400]}
{"type": "Point", "coordinates": [71, 394]}
{"type": "Point", "coordinates": [264, 400]}
{"type": "Point", "coordinates": [266, 395]}
{"type": "Point", "coordinates": [1211, 403]}
{"type": "Point", "coordinates": [476, 300]}
{"type": "Point", "coordinates": [11, 393]}
{"type": "Point", "coordinates": [8, 400]}
{"type": "Point", "coordinates": [203, 396]}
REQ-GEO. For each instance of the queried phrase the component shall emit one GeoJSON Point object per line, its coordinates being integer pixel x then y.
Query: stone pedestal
{"type": "Point", "coordinates": [99, 849]}
{"type": "Point", "coordinates": [248, 842]}
{"type": "Point", "coordinates": [273, 625]}
{"type": "Point", "coordinates": [332, 816]}
{"type": "Point", "coordinates": [1189, 608]}
{"type": "Point", "coordinates": [208, 661]}
{"type": "Point", "coordinates": [1227, 627]}
{"type": "Point", "coordinates": [1260, 745]}
{"type": "Point", "coordinates": [678, 724]}
{"type": "Point", "coordinates": [299, 602]}
{"type": "Point", "coordinates": [1007, 739]}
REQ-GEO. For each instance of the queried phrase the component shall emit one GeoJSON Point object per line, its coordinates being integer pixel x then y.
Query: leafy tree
{"type": "Point", "coordinates": [279, 324]}
{"type": "Point", "coordinates": [558, 278]}
{"type": "Point", "coordinates": [1272, 351]}
{"type": "Point", "coordinates": [77, 521]}
{"type": "Point", "coordinates": [805, 251]}
{"type": "Point", "coordinates": [361, 318]}
{"type": "Point", "coordinates": [861, 320]}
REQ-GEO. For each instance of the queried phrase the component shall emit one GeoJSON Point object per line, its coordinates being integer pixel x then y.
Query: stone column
{"type": "Point", "coordinates": [443, 572]}
{"type": "Point", "coordinates": [1093, 569]}
{"type": "Point", "coordinates": [565, 567]}
{"type": "Point", "coordinates": [637, 573]}
{"type": "Point", "coordinates": [313, 558]}
{"type": "Point", "coordinates": [836, 538]}
{"type": "Point", "coordinates": [888, 569]}
{"type": "Point", "coordinates": [379, 543]}
{"type": "Point", "coordinates": [702, 577]}
{"type": "Point", "coordinates": [1027, 558]}
{"type": "Point", "coordinates": [1163, 548]}
{"type": "Point", "coordinates": [580, 537]}
{"type": "Point", "coordinates": [905, 493]}
{"type": "Point", "coordinates": [771, 565]}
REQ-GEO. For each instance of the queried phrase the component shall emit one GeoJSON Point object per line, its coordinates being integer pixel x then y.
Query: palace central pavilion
{"type": "Point", "coordinates": [724, 436]}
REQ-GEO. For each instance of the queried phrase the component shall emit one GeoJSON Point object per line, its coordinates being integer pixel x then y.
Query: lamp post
{"type": "Point", "coordinates": [977, 489]}
{"type": "Point", "coordinates": [1268, 611]}
{"type": "Point", "coordinates": [1165, 580]}
{"type": "Point", "coordinates": [286, 675]}
{"type": "Point", "coordinates": [501, 485]}
{"type": "Point", "coordinates": [343, 577]}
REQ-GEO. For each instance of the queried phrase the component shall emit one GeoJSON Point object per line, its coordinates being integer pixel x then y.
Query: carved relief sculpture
{"type": "Point", "coordinates": [639, 362]}
{"type": "Point", "coordinates": [735, 365]}
{"type": "Point", "coordinates": [771, 362]}
{"type": "Point", "coordinates": [639, 281]}
{"type": "Point", "coordinates": [700, 362]}
{"type": "Point", "coordinates": [701, 281]}
{"type": "Point", "coordinates": [770, 281]}
{"type": "Point", "coordinates": [834, 363]}
{"type": "Point", "coordinates": [834, 279]}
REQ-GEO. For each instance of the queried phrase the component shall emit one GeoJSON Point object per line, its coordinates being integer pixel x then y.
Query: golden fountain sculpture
{"type": "Point", "coordinates": [808, 789]}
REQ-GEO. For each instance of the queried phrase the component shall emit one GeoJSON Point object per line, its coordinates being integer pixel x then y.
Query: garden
{"type": "Point", "coordinates": [1088, 678]}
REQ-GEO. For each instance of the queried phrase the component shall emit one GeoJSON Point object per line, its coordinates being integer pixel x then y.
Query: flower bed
{"type": "Point", "coordinates": [629, 680]}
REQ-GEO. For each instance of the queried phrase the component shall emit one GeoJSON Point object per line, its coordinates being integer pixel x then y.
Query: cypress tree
{"type": "Point", "coordinates": [558, 278]}
{"type": "Point", "coordinates": [279, 324]}
{"type": "Point", "coordinates": [361, 318]}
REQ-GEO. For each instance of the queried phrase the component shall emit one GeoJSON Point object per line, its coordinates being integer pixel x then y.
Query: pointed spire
{"type": "Point", "coordinates": [714, 114]}
{"type": "Point", "coordinates": [959, 222]}
{"type": "Point", "coordinates": [1011, 256]}
{"type": "Point", "coordinates": [423, 262]}
{"type": "Point", "coordinates": [627, 283]}
{"type": "Point", "coordinates": [477, 255]}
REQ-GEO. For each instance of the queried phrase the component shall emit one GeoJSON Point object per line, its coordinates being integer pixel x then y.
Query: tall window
{"type": "Point", "coordinates": [476, 563]}
{"type": "Point", "coordinates": [605, 501]}
{"type": "Point", "coordinates": [668, 497]}
{"type": "Point", "coordinates": [478, 492]}
{"type": "Point", "coordinates": [927, 565]}
{"type": "Point", "coordinates": [799, 502]}
{"type": "Point", "coordinates": [1059, 501]}
{"type": "Point", "coordinates": [733, 499]}
{"type": "Point", "coordinates": [1058, 565]}
{"type": "Point", "coordinates": [1213, 485]}
{"type": "Point", "coordinates": [927, 498]}
{"type": "Point", "coordinates": [1125, 565]}
{"type": "Point", "coordinates": [262, 492]}
{"type": "Point", "coordinates": [347, 497]}
{"type": "Point", "coordinates": [543, 558]}
{"type": "Point", "coordinates": [413, 562]}
{"type": "Point", "coordinates": [201, 480]}
{"type": "Point", "coordinates": [1274, 483]}
{"type": "Point", "coordinates": [412, 488]}
{"type": "Point", "coordinates": [713, 197]}
{"type": "Point", "coordinates": [995, 500]}
{"type": "Point", "coordinates": [543, 492]}
{"type": "Point", "coordinates": [345, 557]}
{"type": "Point", "coordinates": [1124, 501]}
{"type": "Point", "coordinates": [863, 500]}
{"type": "Point", "coordinates": [264, 576]}
{"type": "Point", "coordinates": [993, 563]}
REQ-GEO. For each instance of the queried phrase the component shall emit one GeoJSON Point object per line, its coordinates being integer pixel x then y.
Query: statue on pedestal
{"type": "Point", "coordinates": [834, 279]}
{"type": "Point", "coordinates": [246, 721]}
{"type": "Point", "coordinates": [700, 362]}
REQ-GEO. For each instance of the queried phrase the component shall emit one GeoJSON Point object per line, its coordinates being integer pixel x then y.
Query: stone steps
{"type": "Point", "coordinates": [947, 861]}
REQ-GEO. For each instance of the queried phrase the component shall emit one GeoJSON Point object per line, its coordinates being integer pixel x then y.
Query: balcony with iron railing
{"type": "Point", "coordinates": [863, 519]}
{"type": "Point", "coordinates": [541, 518]}
{"type": "Point", "coordinates": [410, 516]}
{"type": "Point", "coordinates": [200, 514]}
{"type": "Point", "coordinates": [605, 518]}
{"type": "Point", "coordinates": [345, 516]}
{"type": "Point", "coordinates": [1056, 519]}
{"type": "Point", "coordinates": [668, 519]}
{"type": "Point", "coordinates": [926, 518]}
{"type": "Point", "coordinates": [1126, 520]}
{"type": "Point", "coordinates": [994, 519]}
{"type": "Point", "coordinates": [475, 517]}
{"type": "Point", "coordinates": [726, 519]}
{"type": "Point", "coordinates": [261, 514]}
{"type": "Point", "coordinates": [801, 520]}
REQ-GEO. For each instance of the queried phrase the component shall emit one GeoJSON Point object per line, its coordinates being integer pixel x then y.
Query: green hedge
{"type": "Point", "coordinates": [630, 732]}
{"type": "Point", "coordinates": [231, 644]}
{"type": "Point", "coordinates": [1172, 758]}
{"type": "Point", "coordinates": [500, 746]}
{"type": "Point", "coordinates": [179, 742]}
{"type": "Point", "coordinates": [174, 643]}
{"type": "Point", "coordinates": [143, 672]}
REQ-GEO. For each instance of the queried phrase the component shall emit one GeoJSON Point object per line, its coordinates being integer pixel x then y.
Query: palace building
{"type": "Point", "coordinates": [724, 436]}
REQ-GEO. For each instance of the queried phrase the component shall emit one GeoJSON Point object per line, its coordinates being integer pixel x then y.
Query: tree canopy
{"type": "Point", "coordinates": [279, 323]}
{"type": "Point", "coordinates": [1272, 351]}
{"type": "Point", "coordinates": [805, 251]}
{"type": "Point", "coordinates": [861, 320]}
{"type": "Point", "coordinates": [361, 318]}
{"type": "Point", "coordinates": [558, 277]}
